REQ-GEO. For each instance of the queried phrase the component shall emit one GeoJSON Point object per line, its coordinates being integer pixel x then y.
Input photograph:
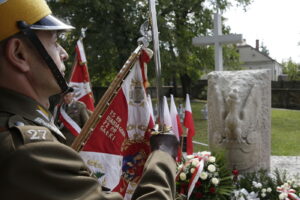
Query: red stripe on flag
{"type": "Point", "coordinates": [180, 131]}
{"type": "Point", "coordinates": [189, 124]}
{"type": "Point", "coordinates": [80, 74]}
{"type": "Point", "coordinates": [89, 101]}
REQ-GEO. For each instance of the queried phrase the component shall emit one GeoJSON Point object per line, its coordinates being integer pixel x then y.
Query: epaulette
{"type": "Point", "coordinates": [30, 133]}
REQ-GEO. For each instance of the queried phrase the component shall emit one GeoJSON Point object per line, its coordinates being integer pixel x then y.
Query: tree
{"type": "Point", "coordinates": [264, 50]}
{"type": "Point", "coordinates": [292, 70]}
{"type": "Point", "coordinates": [112, 32]}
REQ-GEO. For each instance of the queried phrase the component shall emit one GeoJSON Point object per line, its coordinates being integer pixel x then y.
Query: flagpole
{"type": "Point", "coordinates": [105, 101]}
{"type": "Point", "coordinates": [153, 20]}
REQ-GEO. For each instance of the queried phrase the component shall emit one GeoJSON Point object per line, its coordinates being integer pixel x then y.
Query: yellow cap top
{"type": "Point", "coordinates": [12, 11]}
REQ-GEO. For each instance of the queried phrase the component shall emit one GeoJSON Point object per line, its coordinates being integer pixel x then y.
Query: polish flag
{"type": "Point", "coordinates": [166, 114]}
{"type": "Point", "coordinates": [80, 80]}
{"type": "Point", "coordinates": [176, 125]}
{"type": "Point", "coordinates": [119, 145]}
{"type": "Point", "coordinates": [150, 106]}
{"type": "Point", "coordinates": [189, 124]}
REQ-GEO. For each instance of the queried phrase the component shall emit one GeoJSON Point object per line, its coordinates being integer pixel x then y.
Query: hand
{"type": "Point", "coordinates": [165, 142]}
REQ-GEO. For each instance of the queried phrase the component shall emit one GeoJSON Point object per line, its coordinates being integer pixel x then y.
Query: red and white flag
{"type": "Point", "coordinates": [150, 106]}
{"type": "Point", "coordinates": [119, 145]}
{"type": "Point", "coordinates": [189, 124]}
{"type": "Point", "coordinates": [80, 79]}
{"type": "Point", "coordinates": [176, 125]}
{"type": "Point", "coordinates": [166, 114]}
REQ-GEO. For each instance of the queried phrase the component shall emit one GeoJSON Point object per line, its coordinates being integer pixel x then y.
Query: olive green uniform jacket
{"type": "Point", "coordinates": [35, 165]}
{"type": "Point", "coordinates": [77, 111]}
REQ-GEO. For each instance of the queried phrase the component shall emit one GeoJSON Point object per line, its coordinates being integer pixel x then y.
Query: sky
{"type": "Point", "coordinates": [275, 23]}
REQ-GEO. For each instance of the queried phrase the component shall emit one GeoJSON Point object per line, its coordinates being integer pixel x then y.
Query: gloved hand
{"type": "Point", "coordinates": [165, 142]}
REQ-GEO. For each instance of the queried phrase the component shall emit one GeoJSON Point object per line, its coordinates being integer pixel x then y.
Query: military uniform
{"type": "Point", "coordinates": [35, 165]}
{"type": "Point", "coordinates": [77, 111]}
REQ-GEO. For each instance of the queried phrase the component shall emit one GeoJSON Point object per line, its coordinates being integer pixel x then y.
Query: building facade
{"type": "Point", "coordinates": [252, 58]}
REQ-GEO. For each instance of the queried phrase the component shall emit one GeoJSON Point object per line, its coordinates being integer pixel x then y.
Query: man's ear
{"type": "Point", "coordinates": [17, 54]}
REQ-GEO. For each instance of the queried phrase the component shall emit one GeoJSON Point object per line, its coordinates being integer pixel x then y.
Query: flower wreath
{"type": "Point", "coordinates": [199, 176]}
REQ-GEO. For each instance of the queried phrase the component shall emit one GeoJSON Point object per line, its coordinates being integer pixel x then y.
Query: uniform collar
{"type": "Point", "coordinates": [19, 104]}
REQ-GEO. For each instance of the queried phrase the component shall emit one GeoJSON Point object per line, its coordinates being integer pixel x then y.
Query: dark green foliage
{"type": "Point", "coordinates": [113, 30]}
{"type": "Point", "coordinates": [292, 70]}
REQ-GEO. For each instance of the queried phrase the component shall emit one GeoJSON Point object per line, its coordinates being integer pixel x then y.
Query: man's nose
{"type": "Point", "coordinates": [63, 54]}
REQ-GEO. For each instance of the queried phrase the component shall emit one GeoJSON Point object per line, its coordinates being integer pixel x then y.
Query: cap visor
{"type": "Point", "coordinates": [50, 23]}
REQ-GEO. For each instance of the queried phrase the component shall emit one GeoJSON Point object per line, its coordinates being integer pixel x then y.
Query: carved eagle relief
{"type": "Point", "coordinates": [235, 111]}
{"type": "Point", "coordinates": [239, 106]}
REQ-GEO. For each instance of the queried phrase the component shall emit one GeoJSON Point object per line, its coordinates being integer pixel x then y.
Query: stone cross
{"type": "Point", "coordinates": [217, 39]}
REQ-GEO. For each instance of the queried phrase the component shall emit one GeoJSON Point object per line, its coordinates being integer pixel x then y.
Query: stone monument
{"type": "Point", "coordinates": [239, 117]}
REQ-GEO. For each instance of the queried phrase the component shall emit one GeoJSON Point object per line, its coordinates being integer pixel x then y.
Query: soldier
{"type": "Point", "coordinates": [33, 163]}
{"type": "Point", "coordinates": [71, 113]}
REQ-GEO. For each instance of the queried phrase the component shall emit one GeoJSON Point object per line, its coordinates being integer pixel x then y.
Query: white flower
{"type": "Point", "coordinates": [286, 186]}
{"type": "Point", "coordinates": [189, 157]}
{"type": "Point", "coordinates": [282, 196]}
{"type": "Point", "coordinates": [263, 194]}
{"type": "Point", "coordinates": [243, 194]}
{"type": "Point", "coordinates": [264, 190]}
{"type": "Point", "coordinates": [215, 181]}
{"type": "Point", "coordinates": [180, 166]}
{"type": "Point", "coordinates": [269, 189]}
{"type": "Point", "coordinates": [182, 176]}
{"type": "Point", "coordinates": [203, 175]}
{"type": "Point", "coordinates": [195, 162]}
{"type": "Point", "coordinates": [192, 170]}
{"type": "Point", "coordinates": [212, 159]}
{"type": "Point", "coordinates": [211, 168]}
{"type": "Point", "coordinates": [258, 185]}
{"type": "Point", "coordinates": [252, 196]}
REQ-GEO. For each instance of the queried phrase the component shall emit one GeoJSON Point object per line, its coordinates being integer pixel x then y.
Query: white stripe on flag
{"type": "Point", "coordinates": [109, 166]}
{"type": "Point", "coordinates": [81, 50]}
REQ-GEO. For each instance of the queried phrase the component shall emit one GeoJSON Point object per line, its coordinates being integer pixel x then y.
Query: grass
{"type": "Point", "coordinates": [285, 130]}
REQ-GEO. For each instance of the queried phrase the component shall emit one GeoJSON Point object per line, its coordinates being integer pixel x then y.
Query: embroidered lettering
{"type": "Point", "coordinates": [37, 134]}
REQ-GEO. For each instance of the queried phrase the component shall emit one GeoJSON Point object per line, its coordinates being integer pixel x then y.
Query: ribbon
{"type": "Point", "coordinates": [290, 193]}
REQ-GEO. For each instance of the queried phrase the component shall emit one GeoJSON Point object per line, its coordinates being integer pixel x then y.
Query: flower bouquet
{"type": "Point", "coordinates": [203, 176]}
{"type": "Point", "coordinates": [262, 185]}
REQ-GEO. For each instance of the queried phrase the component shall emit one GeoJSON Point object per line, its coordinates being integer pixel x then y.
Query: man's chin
{"type": "Point", "coordinates": [57, 91]}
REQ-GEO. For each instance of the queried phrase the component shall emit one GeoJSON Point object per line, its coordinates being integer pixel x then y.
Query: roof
{"type": "Point", "coordinates": [259, 52]}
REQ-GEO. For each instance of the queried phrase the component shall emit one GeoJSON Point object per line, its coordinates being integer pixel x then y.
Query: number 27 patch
{"type": "Point", "coordinates": [37, 134]}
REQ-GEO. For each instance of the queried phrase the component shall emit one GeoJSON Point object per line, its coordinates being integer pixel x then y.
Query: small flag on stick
{"type": "Point", "coordinates": [80, 79]}
{"type": "Point", "coordinates": [189, 124]}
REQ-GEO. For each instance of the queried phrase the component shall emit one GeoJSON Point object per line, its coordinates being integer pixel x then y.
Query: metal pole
{"type": "Point", "coordinates": [157, 63]}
